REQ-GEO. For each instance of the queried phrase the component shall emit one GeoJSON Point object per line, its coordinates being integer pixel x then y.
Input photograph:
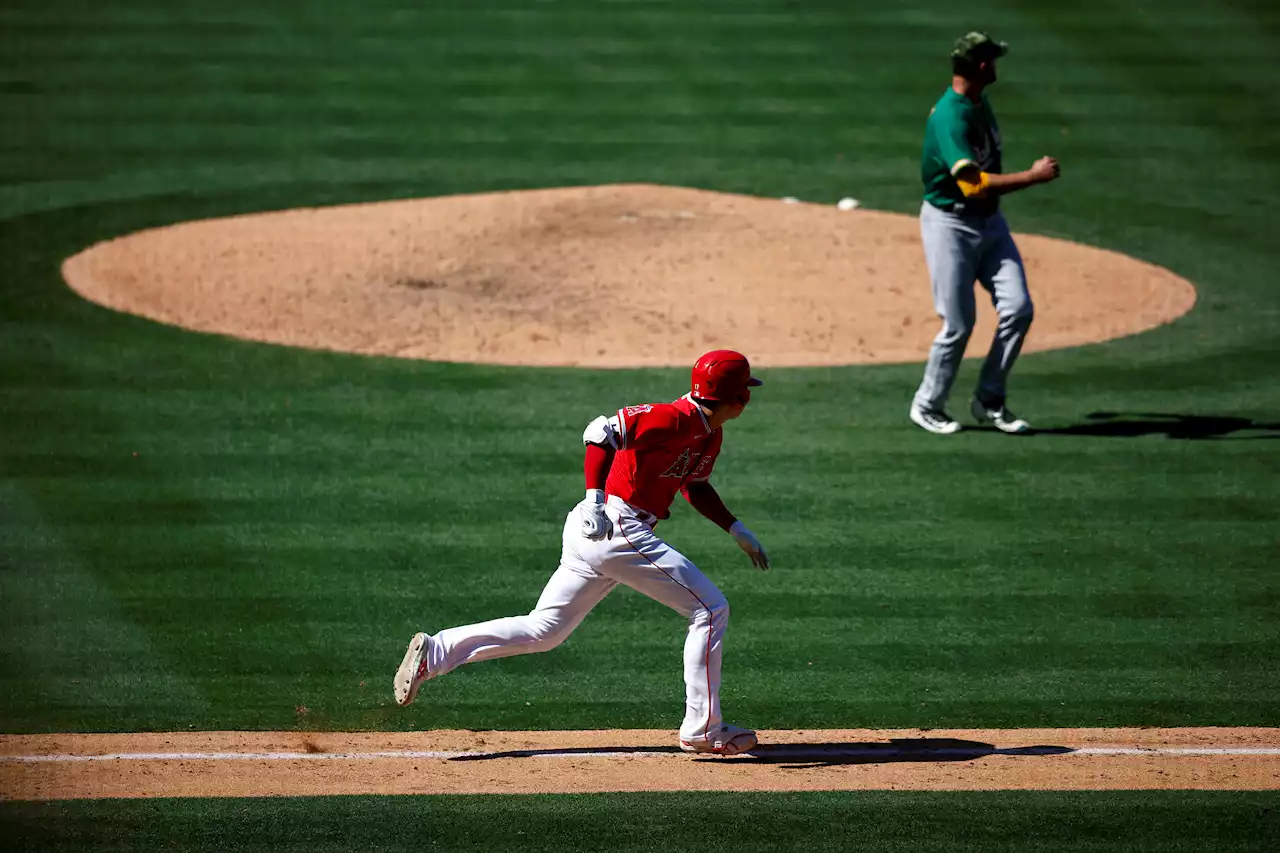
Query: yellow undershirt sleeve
{"type": "Point", "coordinates": [973, 189]}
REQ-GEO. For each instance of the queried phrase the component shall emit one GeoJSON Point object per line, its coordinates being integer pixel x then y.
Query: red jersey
{"type": "Point", "coordinates": [662, 448]}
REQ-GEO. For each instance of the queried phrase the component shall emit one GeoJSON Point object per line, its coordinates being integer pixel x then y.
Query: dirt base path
{"type": "Point", "coordinates": [610, 276]}
{"type": "Point", "coordinates": [255, 764]}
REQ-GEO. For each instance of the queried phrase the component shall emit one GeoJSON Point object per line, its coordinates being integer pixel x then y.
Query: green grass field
{"type": "Point", "coordinates": [1169, 822]}
{"type": "Point", "coordinates": [202, 533]}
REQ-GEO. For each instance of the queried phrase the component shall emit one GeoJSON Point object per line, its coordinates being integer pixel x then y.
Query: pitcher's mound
{"type": "Point", "coordinates": [611, 276]}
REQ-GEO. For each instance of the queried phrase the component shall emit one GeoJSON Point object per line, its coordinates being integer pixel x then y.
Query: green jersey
{"type": "Point", "coordinates": [960, 132]}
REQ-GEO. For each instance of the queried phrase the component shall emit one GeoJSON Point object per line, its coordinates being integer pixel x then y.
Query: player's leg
{"type": "Point", "coordinates": [1002, 273]}
{"type": "Point", "coordinates": [949, 249]}
{"type": "Point", "coordinates": [569, 595]}
{"type": "Point", "coordinates": [642, 561]}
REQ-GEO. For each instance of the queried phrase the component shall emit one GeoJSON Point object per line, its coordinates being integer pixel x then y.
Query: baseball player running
{"type": "Point", "coordinates": [966, 238]}
{"type": "Point", "coordinates": [635, 462]}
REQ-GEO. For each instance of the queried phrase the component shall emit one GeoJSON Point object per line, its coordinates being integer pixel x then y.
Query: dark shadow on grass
{"type": "Point", "coordinates": [800, 756]}
{"type": "Point", "coordinates": [1187, 427]}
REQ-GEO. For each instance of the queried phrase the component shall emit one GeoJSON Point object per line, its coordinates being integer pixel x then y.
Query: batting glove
{"type": "Point", "coordinates": [748, 542]}
{"type": "Point", "coordinates": [596, 526]}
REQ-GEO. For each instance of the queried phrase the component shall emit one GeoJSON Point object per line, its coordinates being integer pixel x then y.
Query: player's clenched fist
{"type": "Point", "coordinates": [748, 542]}
{"type": "Point", "coordinates": [1045, 169]}
{"type": "Point", "coordinates": [596, 526]}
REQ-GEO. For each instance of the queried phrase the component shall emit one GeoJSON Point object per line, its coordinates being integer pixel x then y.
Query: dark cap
{"type": "Point", "coordinates": [977, 47]}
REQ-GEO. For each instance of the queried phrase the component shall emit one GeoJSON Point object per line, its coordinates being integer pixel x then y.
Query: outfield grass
{"type": "Point", "coordinates": [291, 517]}
{"type": "Point", "coordinates": [1021, 821]}
{"type": "Point", "coordinates": [202, 533]}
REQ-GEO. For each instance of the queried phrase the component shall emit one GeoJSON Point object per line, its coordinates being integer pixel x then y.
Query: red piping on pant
{"type": "Point", "coordinates": [710, 618]}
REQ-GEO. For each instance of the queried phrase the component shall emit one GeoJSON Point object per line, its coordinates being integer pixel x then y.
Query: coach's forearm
{"type": "Point", "coordinates": [1005, 184]}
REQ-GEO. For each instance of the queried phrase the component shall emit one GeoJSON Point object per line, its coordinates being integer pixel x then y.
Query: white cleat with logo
{"type": "Point", "coordinates": [935, 421]}
{"type": "Point", "coordinates": [1000, 418]}
{"type": "Point", "coordinates": [729, 740]}
{"type": "Point", "coordinates": [414, 669]}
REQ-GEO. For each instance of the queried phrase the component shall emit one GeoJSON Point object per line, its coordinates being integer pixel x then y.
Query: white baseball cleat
{"type": "Point", "coordinates": [729, 740]}
{"type": "Point", "coordinates": [934, 420]}
{"type": "Point", "coordinates": [414, 669]}
{"type": "Point", "coordinates": [1000, 418]}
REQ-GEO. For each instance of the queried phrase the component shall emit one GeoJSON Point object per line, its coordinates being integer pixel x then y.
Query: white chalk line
{"type": "Point", "coordinates": [1176, 750]}
{"type": "Point", "coordinates": [234, 756]}
{"type": "Point", "coordinates": [789, 751]}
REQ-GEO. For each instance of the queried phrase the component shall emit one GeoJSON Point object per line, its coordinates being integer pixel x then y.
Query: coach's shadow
{"type": "Point", "coordinates": [801, 756]}
{"type": "Point", "coordinates": [1186, 427]}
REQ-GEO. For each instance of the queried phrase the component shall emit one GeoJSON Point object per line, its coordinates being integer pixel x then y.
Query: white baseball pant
{"type": "Point", "coordinates": [635, 557]}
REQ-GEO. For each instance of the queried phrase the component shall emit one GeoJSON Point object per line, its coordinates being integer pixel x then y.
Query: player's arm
{"type": "Point", "coordinates": [975, 183]}
{"type": "Point", "coordinates": [601, 440]}
{"type": "Point", "coordinates": [957, 151]}
{"type": "Point", "coordinates": [703, 497]}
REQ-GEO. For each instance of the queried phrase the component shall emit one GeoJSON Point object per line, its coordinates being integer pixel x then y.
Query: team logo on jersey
{"type": "Point", "coordinates": [632, 411]}
{"type": "Point", "coordinates": [701, 470]}
{"type": "Point", "coordinates": [680, 468]}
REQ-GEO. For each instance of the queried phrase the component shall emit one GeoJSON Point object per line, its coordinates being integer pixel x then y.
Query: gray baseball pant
{"type": "Point", "coordinates": [960, 248]}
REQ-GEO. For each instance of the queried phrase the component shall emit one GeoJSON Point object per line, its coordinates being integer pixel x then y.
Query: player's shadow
{"type": "Point", "coordinates": [800, 756]}
{"type": "Point", "coordinates": [1186, 427]}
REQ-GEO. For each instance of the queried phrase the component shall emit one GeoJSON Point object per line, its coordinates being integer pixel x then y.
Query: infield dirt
{"type": "Point", "coordinates": [251, 764]}
{"type": "Point", "coordinates": [609, 276]}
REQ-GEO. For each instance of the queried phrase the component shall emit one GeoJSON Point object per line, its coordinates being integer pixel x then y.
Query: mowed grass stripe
{"type": "Point", "coordinates": [871, 820]}
{"type": "Point", "coordinates": [292, 517]}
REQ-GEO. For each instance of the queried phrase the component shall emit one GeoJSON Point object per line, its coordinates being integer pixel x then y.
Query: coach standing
{"type": "Point", "coordinates": [966, 239]}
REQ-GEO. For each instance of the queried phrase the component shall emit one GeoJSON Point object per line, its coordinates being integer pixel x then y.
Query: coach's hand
{"type": "Point", "coordinates": [1045, 169]}
{"type": "Point", "coordinates": [748, 542]}
{"type": "Point", "coordinates": [596, 526]}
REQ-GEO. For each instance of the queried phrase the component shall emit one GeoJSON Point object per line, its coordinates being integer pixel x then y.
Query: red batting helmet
{"type": "Point", "coordinates": [723, 375]}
